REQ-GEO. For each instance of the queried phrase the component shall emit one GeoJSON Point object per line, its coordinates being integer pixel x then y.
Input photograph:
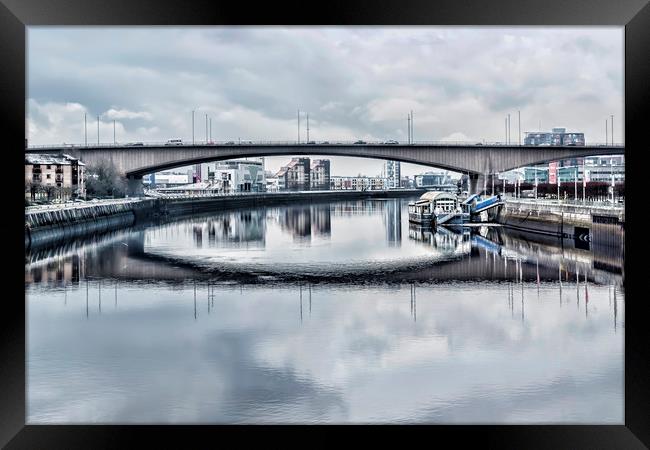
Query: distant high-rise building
{"type": "Point", "coordinates": [429, 179]}
{"type": "Point", "coordinates": [196, 177]}
{"type": "Point", "coordinates": [319, 174]}
{"type": "Point", "coordinates": [557, 137]}
{"type": "Point", "coordinates": [295, 176]}
{"type": "Point", "coordinates": [393, 174]}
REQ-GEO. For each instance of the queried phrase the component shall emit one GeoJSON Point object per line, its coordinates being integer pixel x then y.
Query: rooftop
{"type": "Point", "coordinates": [46, 158]}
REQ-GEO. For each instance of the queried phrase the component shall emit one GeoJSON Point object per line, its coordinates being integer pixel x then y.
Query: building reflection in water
{"type": "Point", "coordinates": [536, 259]}
{"type": "Point", "coordinates": [321, 220]}
{"type": "Point", "coordinates": [232, 229]}
{"type": "Point", "coordinates": [304, 221]}
{"type": "Point", "coordinates": [393, 222]}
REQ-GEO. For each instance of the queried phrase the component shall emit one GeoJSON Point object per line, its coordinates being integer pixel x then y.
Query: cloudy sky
{"type": "Point", "coordinates": [355, 83]}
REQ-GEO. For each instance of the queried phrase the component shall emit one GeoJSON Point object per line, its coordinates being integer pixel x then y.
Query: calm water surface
{"type": "Point", "coordinates": [323, 313]}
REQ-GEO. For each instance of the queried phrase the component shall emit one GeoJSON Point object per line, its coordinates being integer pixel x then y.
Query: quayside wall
{"type": "Point", "coordinates": [595, 226]}
{"type": "Point", "coordinates": [54, 225]}
{"type": "Point", "coordinates": [196, 205]}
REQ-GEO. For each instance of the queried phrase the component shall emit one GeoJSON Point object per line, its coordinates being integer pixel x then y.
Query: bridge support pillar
{"type": "Point", "coordinates": [476, 183]}
{"type": "Point", "coordinates": [492, 184]}
{"type": "Point", "coordinates": [134, 187]}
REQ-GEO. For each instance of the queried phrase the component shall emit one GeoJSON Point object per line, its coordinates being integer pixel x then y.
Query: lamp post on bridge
{"type": "Point", "coordinates": [584, 181]}
{"type": "Point", "coordinates": [611, 168]}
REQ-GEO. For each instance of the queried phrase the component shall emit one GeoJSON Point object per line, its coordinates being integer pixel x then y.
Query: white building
{"type": "Point", "coordinates": [240, 176]}
{"type": "Point", "coordinates": [272, 184]}
{"type": "Point", "coordinates": [361, 183]}
{"type": "Point", "coordinates": [166, 179]}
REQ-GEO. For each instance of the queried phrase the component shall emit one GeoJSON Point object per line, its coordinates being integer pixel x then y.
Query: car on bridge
{"type": "Point", "coordinates": [311, 142]}
{"type": "Point", "coordinates": [135, 144]}
{"type": "Point", "coordinates": [391, 142]}
{"type": "Point", "coordinates": [325, 142]}
{"type": "Point", "coordinates": [229, 143]}
{"type": "Point", "coordinates": [174, 142]}
{"type": "Point", "coordinates": [360, 142]}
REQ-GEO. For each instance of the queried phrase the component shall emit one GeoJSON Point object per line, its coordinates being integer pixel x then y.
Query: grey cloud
{"type": "Point", "coordinates": [468, 78]}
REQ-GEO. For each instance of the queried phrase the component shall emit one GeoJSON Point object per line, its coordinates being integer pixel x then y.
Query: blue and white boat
{"type": "Point", "coordinates": [445, 208]}
{"type": "Point", "coordinates": [437, 208]}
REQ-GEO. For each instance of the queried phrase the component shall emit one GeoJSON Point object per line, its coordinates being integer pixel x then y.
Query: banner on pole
{"type": "Point", "coordinates": [552, 173]}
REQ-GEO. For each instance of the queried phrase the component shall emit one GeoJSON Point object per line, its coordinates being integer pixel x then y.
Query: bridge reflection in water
{"type": "Point", "coordinates": [461, 254]}
{"type": "Point", "coordinates": [486, 253]}
{"type": "Point", "coordinates": [307, 313]}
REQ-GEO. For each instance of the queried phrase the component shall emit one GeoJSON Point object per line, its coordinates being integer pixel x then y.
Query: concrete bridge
{"type": "Point", "coordinates": [477, 159]}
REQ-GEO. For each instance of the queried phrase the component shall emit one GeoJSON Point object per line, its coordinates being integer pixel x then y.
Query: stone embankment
{"type": "Point", "coordinates": [601, 225]}
{"type": "Point", "coordinates": [55, 224]}
{"type": "Point", "coordinates": [51, 225]}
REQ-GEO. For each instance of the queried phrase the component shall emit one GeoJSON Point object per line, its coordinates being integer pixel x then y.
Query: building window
{"type": "Point", "coordinates": [49, 175]}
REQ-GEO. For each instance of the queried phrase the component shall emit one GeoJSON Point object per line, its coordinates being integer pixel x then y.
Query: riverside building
{"type": "Point", "coordinates": [54, 177]}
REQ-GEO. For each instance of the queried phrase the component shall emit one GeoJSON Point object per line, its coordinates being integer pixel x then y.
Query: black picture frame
{"type": "Point", "coordinates": [634, 15]}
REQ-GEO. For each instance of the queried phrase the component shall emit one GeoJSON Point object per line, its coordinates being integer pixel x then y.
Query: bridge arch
{"type": "Point", "coordinates": [473, 158]}
{"type": "Point", "coordinates": [140, 171]}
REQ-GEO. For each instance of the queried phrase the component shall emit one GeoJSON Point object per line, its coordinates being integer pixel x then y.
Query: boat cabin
{"type": "Point", "coordinates": [432, 204]}
{"type": "Point", "coordinates": [436, 202]}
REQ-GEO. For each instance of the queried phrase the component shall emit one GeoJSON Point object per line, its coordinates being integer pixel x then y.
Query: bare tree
{"type": "Point", "coordinates": [103, 181]}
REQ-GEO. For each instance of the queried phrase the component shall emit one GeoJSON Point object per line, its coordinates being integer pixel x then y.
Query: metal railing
{"type": "Point", "coordinates": [83, 204]}
{"type": "Point", "coordinates": [565, 205]}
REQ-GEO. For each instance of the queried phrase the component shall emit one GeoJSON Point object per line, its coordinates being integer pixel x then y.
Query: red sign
{"type": "Point", "coordinates": [552, 172]}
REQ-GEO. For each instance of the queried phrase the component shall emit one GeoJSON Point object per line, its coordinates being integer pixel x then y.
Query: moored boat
{"type": "Point", "coordinates": [437, 208]}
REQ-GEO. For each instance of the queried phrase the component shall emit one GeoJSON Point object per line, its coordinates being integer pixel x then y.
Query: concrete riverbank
{"type": "Point", "coordinates": [588, 225]}
{"type": "Point", "coordinates": [57, 224]}
{"type": "Point", "coordinates": [45, 226]}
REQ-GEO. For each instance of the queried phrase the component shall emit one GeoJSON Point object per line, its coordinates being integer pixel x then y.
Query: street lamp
{"type": "Point", "coordinates": [584, 182]}
{"type": "Point", "coordinates": [611, 166]}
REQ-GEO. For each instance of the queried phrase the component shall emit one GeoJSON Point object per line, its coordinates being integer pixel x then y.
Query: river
{"type": "Point", "coordinates": [325, 313]}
